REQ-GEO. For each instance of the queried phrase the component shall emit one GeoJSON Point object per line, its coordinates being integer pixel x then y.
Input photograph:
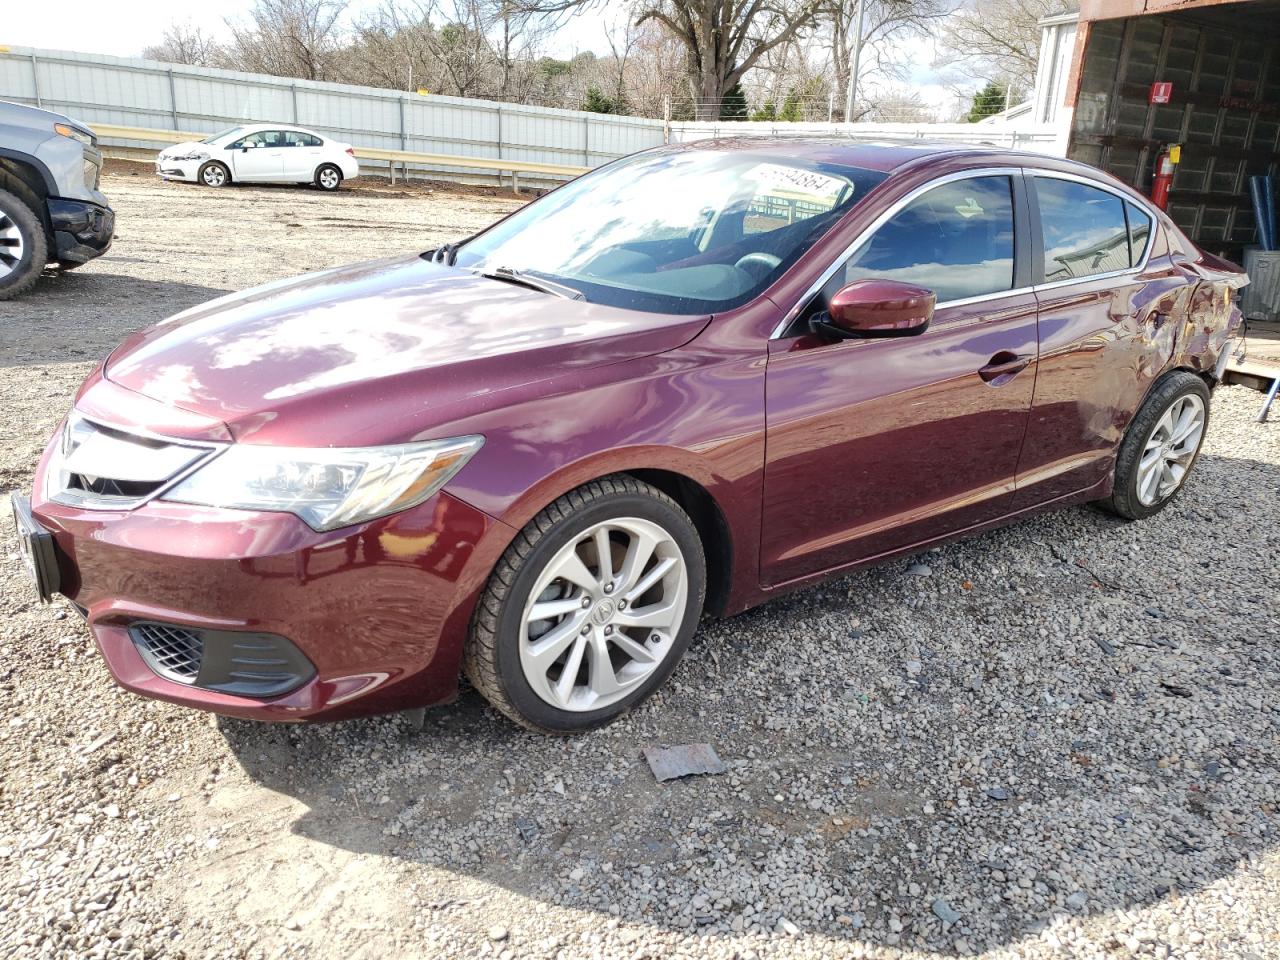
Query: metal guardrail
{"type": "Point", "coordinates": [106, 131]}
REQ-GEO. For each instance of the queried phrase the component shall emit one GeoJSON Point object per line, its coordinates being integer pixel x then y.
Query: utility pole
{"type": "Point", "coordinates": [853, 64]}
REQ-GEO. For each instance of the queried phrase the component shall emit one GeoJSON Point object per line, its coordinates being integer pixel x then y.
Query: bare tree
{"type": "Point", "coordinates": [884, 24]}
{"type": "Point", "coordinates": [723, 39]}
{"type": "Point", "coordinates": [998, 39]}
{"type": "Point", "coordinates": [289, 38]}
{"type": "Point", "coordinates": [655, 67]}
{"type": "Point", "coordinates": [185, 43]}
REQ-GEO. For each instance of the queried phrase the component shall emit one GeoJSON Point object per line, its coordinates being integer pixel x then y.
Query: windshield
{"type": "Point", "coordinates": [696, 231]}
{"type": "Point", "coordinates": [225, 133]}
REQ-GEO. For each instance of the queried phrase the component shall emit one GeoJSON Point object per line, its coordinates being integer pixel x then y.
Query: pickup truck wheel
{"type": "Point", "coordinates": [214, 174]}
{"type": "Point", "coordinates": [590, 608]}
{"type": "Point", "coordinates": [24, 249]}
{"type": "Point", "coordinates": [1160, 447]}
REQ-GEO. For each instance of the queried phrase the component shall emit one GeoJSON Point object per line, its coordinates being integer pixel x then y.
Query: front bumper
{"type": "Point", "coordinates": [377, 613]}
{"type": "Point", "coordinates": [81, 230]}
{"type": "Point", "coordinates": [168, 168]}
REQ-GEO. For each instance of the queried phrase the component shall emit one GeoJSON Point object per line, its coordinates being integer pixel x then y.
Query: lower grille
{"type": "Point", "coordinates": [175, 653]}
{"type": "Point", "coordinates": [229, 661]}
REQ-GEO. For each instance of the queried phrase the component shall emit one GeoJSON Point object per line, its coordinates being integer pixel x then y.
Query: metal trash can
{"type": "Point", "coordinates": [1260, 300]}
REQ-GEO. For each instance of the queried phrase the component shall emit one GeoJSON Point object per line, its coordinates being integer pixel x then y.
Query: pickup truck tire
{"type": "Point", "coordinates": [24, 249]}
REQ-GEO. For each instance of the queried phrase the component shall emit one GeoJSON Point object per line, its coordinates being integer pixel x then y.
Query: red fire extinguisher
{"type": "Point", "coordinates": [1160, 183]}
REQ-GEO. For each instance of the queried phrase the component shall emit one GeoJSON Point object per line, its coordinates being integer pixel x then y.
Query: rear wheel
{"type": "Point", "coordinates": [1160, 447]}
{"type": "Point", "coordinates": [214, 174]}
{"type": "Point", "coordinates": [590, 608]}
{"type": "Point", "coordinates": [24, 249]}
{"type": "Point", "coordinates": [328, 177]}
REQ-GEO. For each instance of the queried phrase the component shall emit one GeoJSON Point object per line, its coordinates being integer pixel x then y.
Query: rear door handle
{"type": "Point", "coordinates": [1002, 367]}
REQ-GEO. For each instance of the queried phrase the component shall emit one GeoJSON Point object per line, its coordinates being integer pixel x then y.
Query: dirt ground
{"type": "Point", "coordinates": [1060, 738]}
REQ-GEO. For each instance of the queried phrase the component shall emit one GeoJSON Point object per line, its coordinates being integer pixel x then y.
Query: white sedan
{"type": "Point", "coordinates": [260, 153]}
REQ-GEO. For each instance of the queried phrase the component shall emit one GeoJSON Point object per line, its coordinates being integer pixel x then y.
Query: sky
{"type": "Point", "coordinates": [124, 27]}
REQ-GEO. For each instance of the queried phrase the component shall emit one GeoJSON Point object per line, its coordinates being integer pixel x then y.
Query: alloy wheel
{"type": "Point", "coordinates": [603, 614]}
{"type": "Point", "coordinates": [1170, 449]}
{"type": "Point", "coordinates": [329, 179]}
{"type": "Point", "coordinates": [12, 246]}
{"type": "Point", "coordinates": [214, 175]}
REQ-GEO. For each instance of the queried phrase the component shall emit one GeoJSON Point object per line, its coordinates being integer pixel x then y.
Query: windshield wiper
{"type": "Point", "coordinates": [446, 253]}
{"type": "Point", "coordinates": [509, 275]}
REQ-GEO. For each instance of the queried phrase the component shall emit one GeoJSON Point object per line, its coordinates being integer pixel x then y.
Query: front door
{"type": "Point", "coordinates": [258, 156]}
{"type": "Point", "coordinates": [877, 445]}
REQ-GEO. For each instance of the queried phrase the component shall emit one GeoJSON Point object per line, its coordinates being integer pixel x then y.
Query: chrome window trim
{"type": "Point", "coordinates": [68, 498]}
{"type": "Point", "coordinates": [897, 206]}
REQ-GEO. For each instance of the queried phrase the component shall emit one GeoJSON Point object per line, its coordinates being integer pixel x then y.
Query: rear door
{"type": "Point", "coordinates": [876, 445]}
{"type": "Point", "coordinates": [1110, 311]}
{"type": "Point", "coordinates": [302, 154]}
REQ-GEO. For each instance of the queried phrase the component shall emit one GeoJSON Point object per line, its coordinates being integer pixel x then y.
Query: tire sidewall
{"type": "Point", "coordinates": [1162, 398]}
{"type": "Point", "coordinates": [34, 245]}
{"type": "Point", "coordinates": [511, 626]}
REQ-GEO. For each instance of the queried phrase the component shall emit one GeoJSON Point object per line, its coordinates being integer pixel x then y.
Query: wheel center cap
{"type": "Point", "coordinates": [603, 612]}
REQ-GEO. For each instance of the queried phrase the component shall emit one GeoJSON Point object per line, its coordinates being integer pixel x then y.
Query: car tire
{"type": "Point", "coordinates": [1160, 447]}
{"type": "Point", "coordinates": [328, 177]}
{"type": "Point", "coordinates": [24, 248]}
{"type": "Point", "coordinates": [214, 174]}
{"type": "Point", "coordinates": [509, 654]}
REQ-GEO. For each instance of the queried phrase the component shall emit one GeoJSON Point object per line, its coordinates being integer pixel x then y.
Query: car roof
{"type": "Point", "coordinates": [246, 128]}
{"type": "Point", "coordinates": [884, 156]}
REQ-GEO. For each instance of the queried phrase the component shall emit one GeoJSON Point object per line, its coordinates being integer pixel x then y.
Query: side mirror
{"type": "Point", "coordinates": [245, 147]}
{"type": "Point", "coordinates": [877, 308]}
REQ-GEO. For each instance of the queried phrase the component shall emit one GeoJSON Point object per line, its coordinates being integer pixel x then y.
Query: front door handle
{"type": "Point", "coordinates": [1001, 368]}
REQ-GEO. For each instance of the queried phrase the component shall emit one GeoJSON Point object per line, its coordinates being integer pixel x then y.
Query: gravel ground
{"type": "Point", "coordinates": [1058, 738]}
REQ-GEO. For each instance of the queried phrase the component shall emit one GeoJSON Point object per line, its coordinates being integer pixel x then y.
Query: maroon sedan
{"type": "Point", "coordinates": [681, 384]}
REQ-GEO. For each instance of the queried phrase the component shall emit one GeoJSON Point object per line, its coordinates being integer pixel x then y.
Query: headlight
{"type": "Point", "coordinates": [201, 155]}
{"type": "Point", "coordinates": [75, 133]}
{"type": "Point", "coordinates": [326, 487]}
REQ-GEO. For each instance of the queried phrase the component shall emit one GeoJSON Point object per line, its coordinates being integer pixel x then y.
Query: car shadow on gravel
{"type": "Point", "coordinates": [85, 313]}
{"type": "Point", "coordinates": [985, 743]}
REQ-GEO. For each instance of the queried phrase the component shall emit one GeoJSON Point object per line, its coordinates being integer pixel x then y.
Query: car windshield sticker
{"type": "Point", "coordinates": [797, 180]}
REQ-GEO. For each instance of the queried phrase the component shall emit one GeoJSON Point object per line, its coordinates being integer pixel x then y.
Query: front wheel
{"type": "Point", "coordinates": [214, 174]}
{"type": "Point", "coordinates": [1160, 447]}
{"type": "Point", "coordinates": [590, 608]}
{"type": "Point", "coordinates": [23, 246]}
{"type": "Point", "coordinates": [328, 177]}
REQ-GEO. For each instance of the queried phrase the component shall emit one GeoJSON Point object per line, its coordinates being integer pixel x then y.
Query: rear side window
{"type": "Point", "coordinates": [293, 138]}
{"type": "Point", "coordinates": [1139, 233]}
{"type": "Point", "coordinates": [956, 240]}
{"type": "Point", "coordinates": [1085, 231]}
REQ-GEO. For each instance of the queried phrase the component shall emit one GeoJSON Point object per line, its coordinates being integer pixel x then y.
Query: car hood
{"type": "Point", "coordinates": [380, 352]}
{"type": "Point", "coordinates": [184, 148]}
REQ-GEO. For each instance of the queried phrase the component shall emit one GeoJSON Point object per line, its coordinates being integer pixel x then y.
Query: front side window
{"type": "Point", "coordinates": [956, 240]}
{"type": "Point", "coordinates": [687, 232]}
{"type": "Point", "coordinates": [1085, 231]}
{"type": "Point", "coordinates": [262, 138]}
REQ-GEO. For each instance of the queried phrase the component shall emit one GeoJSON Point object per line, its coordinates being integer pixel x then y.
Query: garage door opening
{"type": "Point", "coordinates": [1204, 77]}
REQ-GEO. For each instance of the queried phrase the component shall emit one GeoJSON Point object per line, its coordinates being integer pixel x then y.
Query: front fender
{"type": "Point", "coordinates": [693, 414]}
